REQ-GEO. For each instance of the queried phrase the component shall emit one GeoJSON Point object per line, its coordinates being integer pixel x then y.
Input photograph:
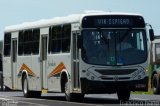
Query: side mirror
{"type": "Point", "coordinates": [79, 42]}
{"type": "Point", "coordinates": [151, 34]}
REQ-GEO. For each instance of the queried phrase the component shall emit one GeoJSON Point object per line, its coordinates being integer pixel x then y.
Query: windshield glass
{"type": "Point", "coordinates": [114, 47]}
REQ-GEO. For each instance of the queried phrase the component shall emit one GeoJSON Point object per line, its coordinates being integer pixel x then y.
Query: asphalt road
{"type": "Point", "coordinates": [57, 99]}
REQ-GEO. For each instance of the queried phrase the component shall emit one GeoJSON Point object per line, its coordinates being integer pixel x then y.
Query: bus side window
{"type": "Point", "coordinates": [27, 42]}
{"type": "Point", "coordinates": [7, 44]}
{"type": "Point", "coordinates": [35, 41]}
{"type": "Point", "coordinates": [20, 43]}
{"type": "Point", "coordinates": [56, 39]}
{"type": "Point", "coordinates": [50, 40]}
{"type": "Point", "coordinates": [66, 38]}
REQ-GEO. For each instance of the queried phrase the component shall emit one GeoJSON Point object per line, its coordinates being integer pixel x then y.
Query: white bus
{"type": "Point", "coordinates": [155, 65]}
{"type": "Point", "coordinates": [80, 54]}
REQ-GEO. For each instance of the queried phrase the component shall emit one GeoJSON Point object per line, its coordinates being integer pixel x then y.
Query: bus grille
{"type": "Point", "coordinates": [115, 72]}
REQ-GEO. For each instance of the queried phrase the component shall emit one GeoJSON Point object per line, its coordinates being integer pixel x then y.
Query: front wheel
{"type": "Point", "coordinates": [123, 95]}
{"type": "Point", "coordinates": [156, 84]}
{"type": "Point", "coordinates": [72, 96]}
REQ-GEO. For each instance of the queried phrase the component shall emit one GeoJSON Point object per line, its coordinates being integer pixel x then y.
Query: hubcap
{"type": "Point", "coordinates": [25, 86]}
{"type": "Point", "coordinates": [66, 88]}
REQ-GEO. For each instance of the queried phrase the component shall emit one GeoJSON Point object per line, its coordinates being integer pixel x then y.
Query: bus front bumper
{"type": "Point", "coordinates": [93, 87]}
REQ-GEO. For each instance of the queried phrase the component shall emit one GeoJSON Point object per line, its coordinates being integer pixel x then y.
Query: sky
{"type": "Point", "coordinates": [19, 11]}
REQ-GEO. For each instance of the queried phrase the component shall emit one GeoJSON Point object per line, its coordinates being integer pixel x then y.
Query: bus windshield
{"type": "Point", "coordinates": [114, 47]}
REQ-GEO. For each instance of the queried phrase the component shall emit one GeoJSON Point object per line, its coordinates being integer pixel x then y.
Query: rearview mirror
{"type": "Point", "coordinates": [151, 34]}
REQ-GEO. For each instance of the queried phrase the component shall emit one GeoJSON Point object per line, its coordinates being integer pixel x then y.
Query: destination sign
{"type": "Point", "coordinates": [112, 21]}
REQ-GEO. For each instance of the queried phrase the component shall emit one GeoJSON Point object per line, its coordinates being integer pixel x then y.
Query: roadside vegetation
{"type": "Point", "coordinates": [150, 92]}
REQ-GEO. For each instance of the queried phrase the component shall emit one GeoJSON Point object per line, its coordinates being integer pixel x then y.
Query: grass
{"type": "Point", "coordinates": [148, 93]}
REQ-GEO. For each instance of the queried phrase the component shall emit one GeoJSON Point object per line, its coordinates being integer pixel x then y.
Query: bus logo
{"type": "Point", "coordinates": [116, 78]}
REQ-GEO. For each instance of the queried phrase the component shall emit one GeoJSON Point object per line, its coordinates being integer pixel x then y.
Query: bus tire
{"type": "Point", "coordinates": [25, 87]}
{"type": "Point", "coordinates": [123, 95]}
{"type": "Point", "coordinates": [72, 96]}
{"type": "Point", "coordinates": [26, 92]}
{"type": "Point", "coordinates": [156, 84]}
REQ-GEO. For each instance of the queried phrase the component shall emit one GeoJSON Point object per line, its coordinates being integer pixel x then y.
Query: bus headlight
{"type": "Point", "coordinates": [89, 75]}
{"type": "Point", "coordinates": [139, 74]}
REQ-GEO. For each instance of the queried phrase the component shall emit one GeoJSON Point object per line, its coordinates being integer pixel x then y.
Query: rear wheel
{"type": "Point", "coordinates": [156, 84]}
{"type": "Point", "coordinates": [26, 92]}
{"type": "Point", "coordinates": [123, 95]}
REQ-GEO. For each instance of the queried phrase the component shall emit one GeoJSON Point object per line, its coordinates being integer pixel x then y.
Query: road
{"type": "Point", "coordinates": [57, 99]}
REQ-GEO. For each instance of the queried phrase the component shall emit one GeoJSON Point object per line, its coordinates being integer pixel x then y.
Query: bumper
{"type": "Point", "coordinates": [93, 87]}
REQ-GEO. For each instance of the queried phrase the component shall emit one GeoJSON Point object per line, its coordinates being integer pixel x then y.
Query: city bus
{"type": "Point", "coordinates": [90, 53]}
{"type": "Point", "coordinates": [155, 65]}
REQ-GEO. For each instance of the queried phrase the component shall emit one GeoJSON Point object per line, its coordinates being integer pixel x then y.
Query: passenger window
{"type": "Point", "coordinates": [59, 39]}
{"type": "Point", "coordinates": [27, 42]}
{"type": "Point", "coordinates": [7, 44]}
{"type": "Point", "coordinates": [35, 41]}
{"type": "Point", "coordinates": [50, 40]}
{"type": "Point", "coordinates": [56, 39]}
{"type": "Point", "coordinates": [66, 38]}
{"type": "Point", "coordinates": [20, 43]}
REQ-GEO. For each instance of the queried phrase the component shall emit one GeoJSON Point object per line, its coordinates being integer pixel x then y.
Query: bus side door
{"type": "Point", "coordinates": [75, 61]}
{"type": "Point", "coordinates": [14, 63]}
{"type": "Point", "coordinates": [43, 58]}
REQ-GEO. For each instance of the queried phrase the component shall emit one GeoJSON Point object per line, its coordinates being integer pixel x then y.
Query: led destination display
{"type": "Point", "coordinates": [114, 21]}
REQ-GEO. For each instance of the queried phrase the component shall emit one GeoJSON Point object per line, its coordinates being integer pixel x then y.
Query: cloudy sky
{"type": "Point", "coordinates": [19, 11]}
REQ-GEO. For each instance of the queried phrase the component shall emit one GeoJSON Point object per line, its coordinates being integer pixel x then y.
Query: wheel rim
{"type": "Point", "coordinates": [25, 86]}
{"type": "Point", "coordinates": [67, 88]}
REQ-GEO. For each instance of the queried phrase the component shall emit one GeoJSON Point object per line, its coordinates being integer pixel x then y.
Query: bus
{"type": "Point", "coordinates": [155, 65]}
{"type": "Point", "coordinates": [90, 53]}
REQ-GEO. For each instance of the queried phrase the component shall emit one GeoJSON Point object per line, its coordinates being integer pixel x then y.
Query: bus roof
{"type": "Point", "coordinates": [59, 20]}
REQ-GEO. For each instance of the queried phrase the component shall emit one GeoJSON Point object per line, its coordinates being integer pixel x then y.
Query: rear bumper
{"type": "Point", "coordinates": [93, 87]}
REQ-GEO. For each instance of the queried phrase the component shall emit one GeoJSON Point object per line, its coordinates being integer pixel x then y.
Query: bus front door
{"type": "Point", "coordinates": [43, 58]}
{"type": "Point", "coordinates": [14, 63]}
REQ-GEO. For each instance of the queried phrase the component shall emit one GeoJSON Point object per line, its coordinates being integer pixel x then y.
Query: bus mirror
{"type": "Point", "coordinates": [79, 42]}
{"type": "Point", "coordinates": [151, 34]}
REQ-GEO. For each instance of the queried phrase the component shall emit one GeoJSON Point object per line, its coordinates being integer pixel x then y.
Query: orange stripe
{"type": "Point", "coordinates": [57, 70]}
{"type": "Point", "coordinates": [24, 67]}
